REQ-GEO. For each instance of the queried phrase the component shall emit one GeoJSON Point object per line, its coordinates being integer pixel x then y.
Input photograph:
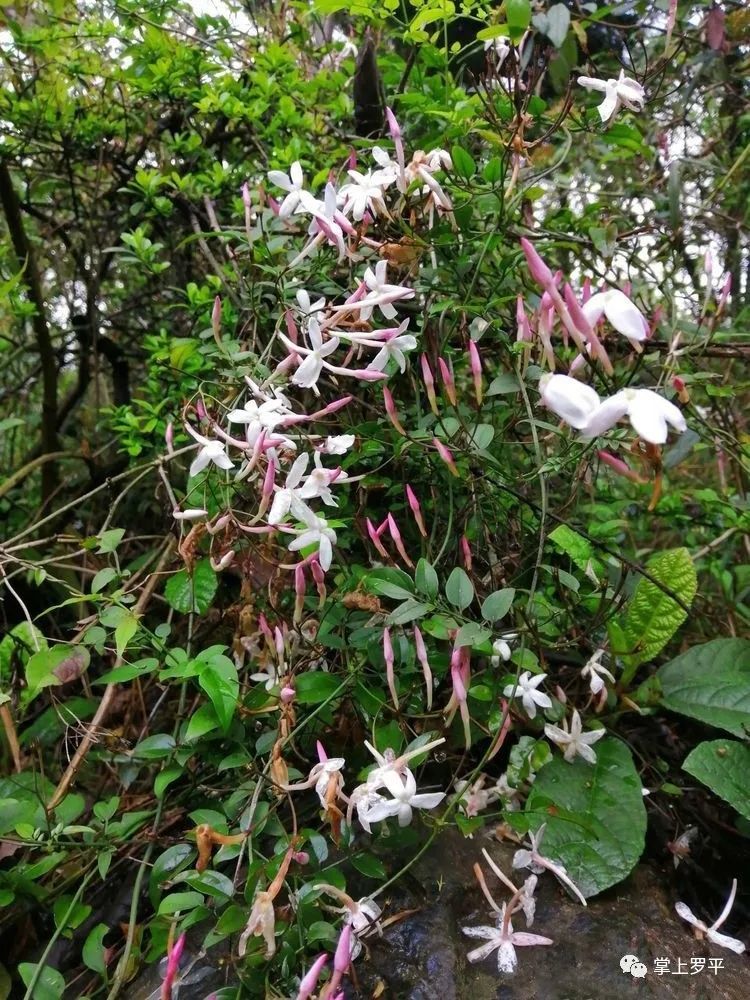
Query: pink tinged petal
{"type": "Point", "coordinates": [342, 957]}
{"type": "Point", "coordinates": [507, 960]}
{"type": "Point", "coordinates": [485, 950]}
{"type": "Point", "coordinates": [523, 940]}
{"type": "Point", "coordinates": [446, 456]}
{"type": "Point", "coordinates": [280, 179]}
{"type": "Point", "coordinates": [724, 941]}
{"type": "Point", "coordinates": [687, 914]}
{"type": "Point", "coordinates": [591, 83]}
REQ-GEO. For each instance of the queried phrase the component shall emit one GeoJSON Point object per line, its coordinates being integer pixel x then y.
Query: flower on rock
{"type": "Point", "coordinates": [648, 412]}
{"type": "Point", "coordinates": [622, 92]}
{"type": "Point", "coordinates": [573, 741]}
{"type": "Point", "coordinates": [712, 933]}
{"type": "Point", "coordinates": [503, 939]}
{"type": "Point", "coordinates": [526, 690]}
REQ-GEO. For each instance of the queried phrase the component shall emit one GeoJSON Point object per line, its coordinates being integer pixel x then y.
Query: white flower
{"type": "Point", "coordinates": [308, 373]}
{"type": "Point", "coordinates": [388, 172]}
{"type": "Point", "coordinates": [189, 514]}
{"type": "Point", "coordinates": [701, 930]}
{"type": "Point", "coordinates": [617, 93]}
{"type": "Point", "coordinates": [504, 939]}
{"type": "Point", "coordinates": [269, 676]}
{"type": "Point", "coordinates": [475, 797]}
{"type": "Point", "coordinates": [306, 305]}
{"type": "Point", "coordinates": [648, 412]}
{"type": "Point", "coordinates": [405, 799]}
{"type": "Point", "coordinates": [362, 194]}
{"type": "Point", "coordinates": [288, 497]}
{"type": "Point", "coordinates": [316, 533]}
{"type": "Point", "coordinates": [380, 293]}
{"type": "Point", "coordinates": [322, 773]}
{"type": "Point", "coordinates": [596, 673]}
{"type": "Point", "coordinates": [292, 184]}
{"type": "Point", "coordinates": [526, 690]}
{"type": "Point", "coordinates": [500, 48]}
{"type": "Point", "coordinates": [623, 314]}
{"type": "Point", "coordinates": [574, 742]}
{"type": "Point", "coordinates": [338, 444]}
{"type": "Point", "coordinates": [394, 348]}
{"type": "Point", "coordinates": [211, 452]}
{"type": "Point", "coordinates": [501, 649]}
{"type": "Point", "coordinates": [571, 400]}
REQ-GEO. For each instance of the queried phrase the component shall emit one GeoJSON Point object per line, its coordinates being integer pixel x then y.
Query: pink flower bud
{"type": "Point", "coordinates": [200, 409]}
{"type": "Point", "coordinates": [396, 536]}
{"type": "Point", "coordinates": [537, 268]}
{"type": "Point", "coordinates": [466, 552]}
{"type": "Point", "coordinates": [310, 979]}
{"type": "Point", "coordinates": [425, 664]}
{"type": "Point", "coordinates": [216, 318]}
{"type": "Point", "coordinates": [343, 956]}
{"type": "Point", "coordinates": [287, 694]}
{"type": "Point", "coordinates": [322, 755]}
{"type": "Point", "coordinates": [445, 455]}
{"type": "Point", "coordinates": [681, 389]}
{"type": "Point", "coordinates": [301, 857]}
{"type": "Point", "coordinates": [299, 591]}
{"type": "Point", "coordinates": [291, 326]}
{"type": "Point", "coordinates": [319, 577]}
{"type": "Point", "coordinates": [416, 510]}
{"type": "Point", "coordinates": [375, 538]}
{"type": "Point", "coordinates": [393, 126]}
{"type": "Point", "coordinates": [351, 163]}
{"type": "Point", "coordinates": [708, 263]}
{"type": "Point", "coordinates": [246, 199]}
{"type": "Point", "coordinates": [476, 370]}
{"type": "Point", "coordinates": [429, 383]}
{"type": "Point", "coordinates": [620, 467]}
{"type": "Point", "coordinates": [173, 967]}
{"type": "Point", "coordinates": [390, 409]}
{"type": "Point", "coordinates": [447, 376]}
{"type": "Point", "coordinates": [265, 629]}
{"type": "Point", "coordinates": [724, 294]}
{"type": "Point", "coordinates": [226, 560]}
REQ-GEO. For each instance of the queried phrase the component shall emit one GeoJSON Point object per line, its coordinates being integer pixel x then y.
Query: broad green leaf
{"type": "Point", "coordinates": [165, 778]}
{"type": "Point", "coordinates": [194, 592]}
{"type": "Point", "coordinates": [220, 683]}
{"type": "Point", "coordinates": [409, 611]}
{"type": "Point", "coordinates": [578, 549]}
{"type": "Point", "coordinates": [154, 747]}
{"type": "Point", "coordinates": [463, 164]}
{"type": "Point", "coordinates": [202, 721]}
{"type": "Point", "coordinates": [179, 902]}
{"type": "Point", "coordinates": [93, 949]}
{"type": "Point", "coordinates": [652, 617]}
{"type": "Point", "coordinates": [723, 765]}
{"type": "Point", "coordinates": [390, 582]}
{"type": "Point", "coordinates": [316, 687]}
{"type": "Point", "coordinates": [57, 665]}
{"type": "Point", "coordinates": [595, 816]}
{"type": "Point", "coordinates": [459, 589]}
{"type": "Point", "coordinates": [49, 986]}
{"type": "Point", "coordinates": [173, 860]}
{"type": "Point", "coordinates": [472, 634]}
{"type": "Point", "coordinates": [426, 579]}
{"type": "Point", "coordinates": [711, 682]}
{"type": "Point", "coordinates": [102, 578]}
{"type": "Point", "coordinates": [518, 16]}
{"type": "Point", "coordinates": [558, 22]}
{"type": "Point", "coordinates": [19, 644]}
{"type": "Point", "coordinates": [497, 605]}
{"type": "Point", "coordinates": [369, 865]}
{"type": "Point", "coordinates": [125, 632]}
{"type": "Point", "coordinates": [109, 540]}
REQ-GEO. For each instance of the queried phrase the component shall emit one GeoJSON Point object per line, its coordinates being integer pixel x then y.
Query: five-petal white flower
{"type": "Point", "coordinates": [573, 741]}
{"type": "Point", "coordinates": [403, 788]}
{"type": "Point", "coordinates": [504, 939]}
{"type": "Point", "coordinates": [622, 92]}
{"type": "Point", "coordinates": [526, 690]}
{"type": "Point", "coordinates": [648, 412]}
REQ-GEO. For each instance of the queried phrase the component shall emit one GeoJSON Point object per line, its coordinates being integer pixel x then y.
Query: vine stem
{"type": "Point", "coordinates": [58, 931]}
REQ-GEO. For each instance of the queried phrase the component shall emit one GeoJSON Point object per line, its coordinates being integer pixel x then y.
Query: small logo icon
{"type": "Point", "coordinates": [633, 965]}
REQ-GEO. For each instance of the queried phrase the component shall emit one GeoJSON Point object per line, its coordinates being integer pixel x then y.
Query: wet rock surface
{"type": "Point", "coordinates": [423, 955]}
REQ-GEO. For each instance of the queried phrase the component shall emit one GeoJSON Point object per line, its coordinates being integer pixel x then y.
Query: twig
{"type": "Point", "coordinates": [109, 692]}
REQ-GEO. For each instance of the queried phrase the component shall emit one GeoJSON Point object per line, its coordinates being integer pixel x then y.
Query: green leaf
{"type": "Point", "coordinates": [165, 778]}
{"type": "Point", "coordinates": [109, 540]}
{"type": "Point", "coordinates": [463, 164]}
{"type": "Point", "coordinates": [652, 617]}
{"type": "Point", "coordinates": [202, 721]}
{"type": "Point", "coordinates": [426, 579]}
{"type": "Point", "coordinates": [50, 984]}
{"type": "Point", "coordinates": [220, 683]}
{"type": "Point", "coordinates": [316, 687]}
{"type": "Point", "coordinates": [102, 578]}
{"type": "Point", "coordinates": [518, 16]}
{"type": "Point", "coordinates": [179, 902]}
{"type": "Point", "coordinates": [595, 816]}
{"type": "Point", "coordinates": [710, 682]}
{"type": "Point", "coordinates": [93, 949]}
{"type": "Point", "coordinates": [408, 612]}
{"type": "Point", "coordinates": [472, 634]}
{"type": "Point", "coordinates": [459, 589]}
{"type": "Point", "coordinates": [577, 548]}
{"type": "Point", "coordinates": [154, 747]}
{"type": "Point", "coordinates": [194, 593]}
{"type": "Point", "coordinates": [723, 765]}
{"type": "Point", "coordinates": [497, 605]}
{"type": "Point", "coordinates": [558, 22]}
{"type": "Point", "coordinates": [58, 665]}
{"type": "Point", "coordinates": [390, 582]}
{"type": "Point", "coordinates": [370, 866]}
{"type": "Point", "coordinates": [124, 632]}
